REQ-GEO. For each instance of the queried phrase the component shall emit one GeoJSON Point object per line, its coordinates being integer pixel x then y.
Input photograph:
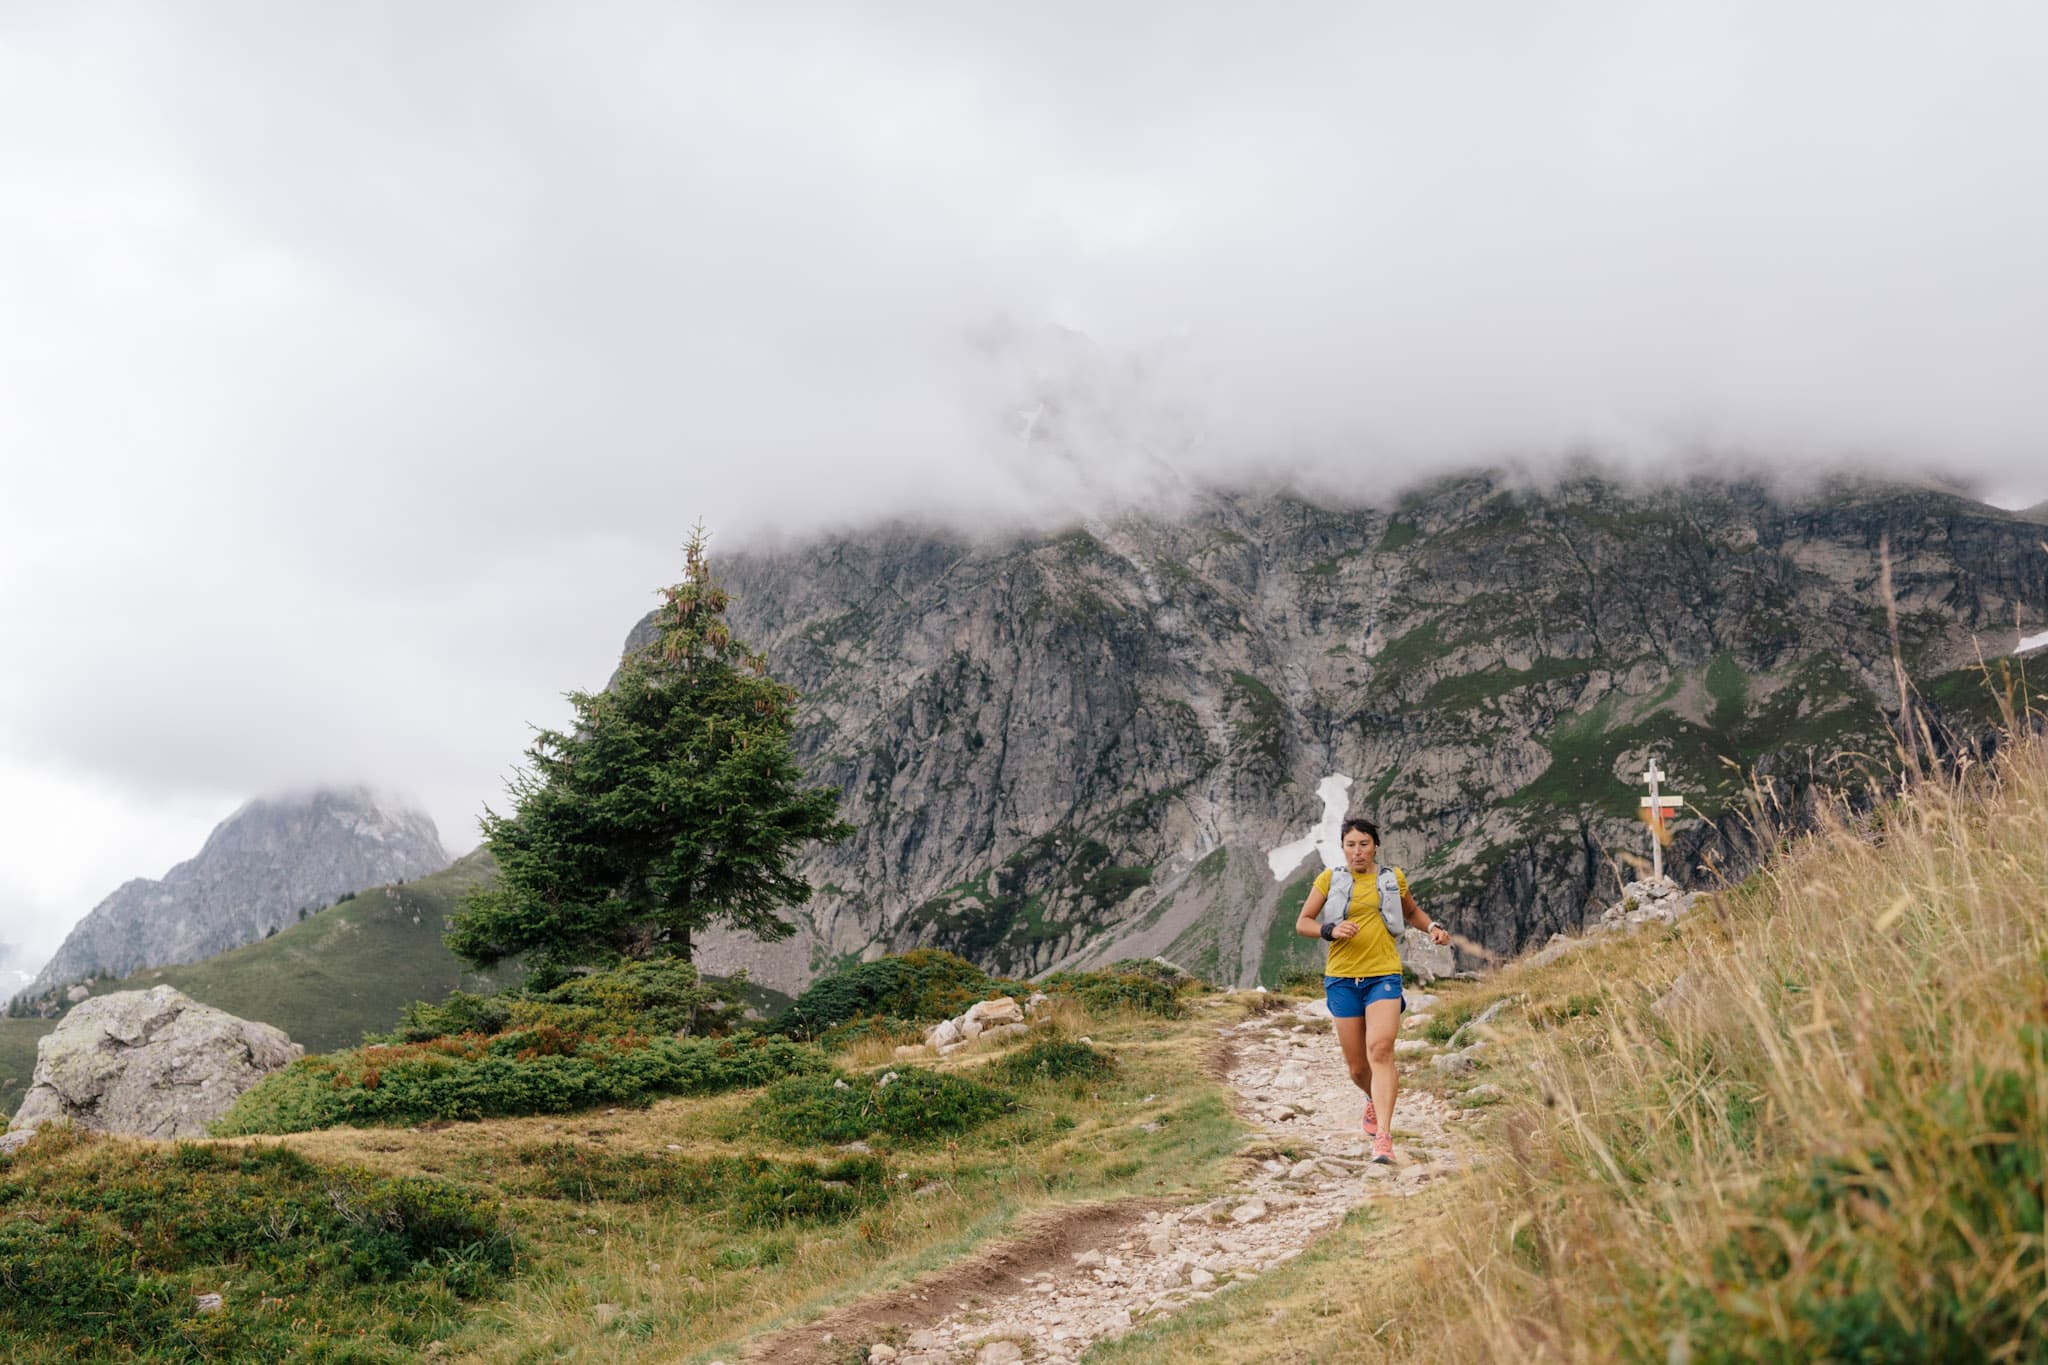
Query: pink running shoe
{"type": "Point", "coordinates": [1383, 1149]}
{"type": "Point", "coordinates": [1371, 1121]}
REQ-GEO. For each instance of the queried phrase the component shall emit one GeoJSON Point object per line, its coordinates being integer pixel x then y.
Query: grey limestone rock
{"type": "Point", "coordinates": [149, 1063]}
{"type": "Point", "coordinates": [1429, 961]}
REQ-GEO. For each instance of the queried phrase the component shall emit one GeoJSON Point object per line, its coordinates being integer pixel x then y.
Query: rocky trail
{"type": "Point", "coordinates": [1094, 1273]}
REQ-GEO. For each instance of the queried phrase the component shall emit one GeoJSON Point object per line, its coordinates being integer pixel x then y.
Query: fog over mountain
{"type": "Point", "coordinates": [366, 365]}
{"type": "Point", "coordinates": [16, 971]}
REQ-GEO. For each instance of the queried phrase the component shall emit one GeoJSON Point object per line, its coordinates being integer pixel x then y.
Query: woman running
{"type": "Point", "coordinates": [1362, 979]}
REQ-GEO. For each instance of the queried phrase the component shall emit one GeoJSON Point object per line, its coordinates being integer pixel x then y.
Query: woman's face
{"type": "Point", "coordinates": [1358, 849]}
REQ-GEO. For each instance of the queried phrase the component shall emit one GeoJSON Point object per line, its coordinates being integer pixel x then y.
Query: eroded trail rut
{"type": "Point", "coordinates": [1094, 1273]}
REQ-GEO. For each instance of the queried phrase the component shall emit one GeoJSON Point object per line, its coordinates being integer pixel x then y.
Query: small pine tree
{"type": "Point", "coordinates": [673, 803]}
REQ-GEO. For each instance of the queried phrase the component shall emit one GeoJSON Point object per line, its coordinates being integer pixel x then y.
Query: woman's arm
{"type": "Point", "coordinates": [1308, 925]}
{"type": "Point", "coordinates": [1412, 912]}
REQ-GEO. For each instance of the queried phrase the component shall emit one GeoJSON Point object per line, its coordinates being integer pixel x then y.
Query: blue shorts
{"type": "Point", "coordinates": [1349, 995]}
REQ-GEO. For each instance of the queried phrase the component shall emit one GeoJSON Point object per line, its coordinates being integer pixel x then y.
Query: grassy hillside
{"type": "Point", "coordinates": [671, 1232]}
{"type": "Point", "coordinates": [18, 1038]}
{"type": "Point", "coordinates": [344, 971]}
{"type": "Point", "coordinates": [325, 981]}
{"type": "Point", "coordinates": [1806, 1123]}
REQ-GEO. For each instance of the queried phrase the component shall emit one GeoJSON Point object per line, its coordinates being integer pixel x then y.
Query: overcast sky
{"type": "Point", "coordinates": [362, 366]}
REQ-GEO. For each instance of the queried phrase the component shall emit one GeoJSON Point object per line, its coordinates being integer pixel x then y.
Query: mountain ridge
{"type": "Point", "coordinates": [1067, 745]}
{"type": "Point", "coordinates": [267, 864]}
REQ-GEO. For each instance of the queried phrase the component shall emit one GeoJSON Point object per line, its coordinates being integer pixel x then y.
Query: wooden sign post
{"type": "Point", "coordinates": [1654, 806]}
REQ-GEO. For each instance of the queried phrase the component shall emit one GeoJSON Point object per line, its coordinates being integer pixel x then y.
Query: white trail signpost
{"type": "Point", "coordinates": [1654, 807]}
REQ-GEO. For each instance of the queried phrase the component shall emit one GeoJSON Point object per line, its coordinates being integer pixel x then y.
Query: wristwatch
{"type": "Point", "coordinates": [1329, 933]}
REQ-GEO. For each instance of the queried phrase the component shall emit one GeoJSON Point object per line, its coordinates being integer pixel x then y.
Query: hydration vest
{"type": "Point", "coordinates": [1339, 903]}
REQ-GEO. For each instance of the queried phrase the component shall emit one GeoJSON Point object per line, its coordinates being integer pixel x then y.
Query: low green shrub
{"type": "Point", "coordinates": [911, 1105]}
{"type": "Point", "coordinates": [1139, 985]}
{"type": "Point", "coordinates": [749, 1191]}
{"type": "Point", "coordinates": [1447, 1019]}
{"type": "Point", "coordinates": [1306, 981]}
{"type": "Point", "coordinates": [105, 1247]}
{"type": "Point", "coordinates": [657, 995]}
{"type": "Point", "coordinates": [540, 1070]}
{"type": "Point", "coordinates": [1053, 1059]}
{"type": "Point", "coordinates": [869, 1026]}
{"type": "Point", "coordinates": [921, 986]}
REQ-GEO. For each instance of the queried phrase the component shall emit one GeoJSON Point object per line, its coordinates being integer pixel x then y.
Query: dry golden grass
{"type": "Point", "coordinates": [1827, 1143]}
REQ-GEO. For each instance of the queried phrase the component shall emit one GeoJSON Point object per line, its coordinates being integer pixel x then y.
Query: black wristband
{"type": "Point", "coordinates": [1329, 933]}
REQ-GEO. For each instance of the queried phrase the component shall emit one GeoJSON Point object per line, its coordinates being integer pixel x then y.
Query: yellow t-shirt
{"type": "Point", "coordinates": [1370, 951]}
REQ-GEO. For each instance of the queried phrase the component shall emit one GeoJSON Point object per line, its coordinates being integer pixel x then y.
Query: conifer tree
{"type": "Point", "coordinates": [673, 803]}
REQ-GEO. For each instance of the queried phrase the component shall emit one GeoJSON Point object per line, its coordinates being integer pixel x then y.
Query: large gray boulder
{"type": "Point", "coordinates": [1427, 960]}
{"type": "Point", "coordinates": [152, 1063]}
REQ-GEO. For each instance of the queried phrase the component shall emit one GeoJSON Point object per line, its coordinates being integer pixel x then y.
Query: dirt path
{"type": "Point", "coordinates": [1093, 1273]}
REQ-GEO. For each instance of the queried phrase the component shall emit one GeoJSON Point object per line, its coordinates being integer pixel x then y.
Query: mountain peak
{"type": "Point", "coordinates": [265, 865]}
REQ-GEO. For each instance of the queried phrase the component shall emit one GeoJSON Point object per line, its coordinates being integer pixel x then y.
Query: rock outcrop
{"type": "Point", "coordinates": [994, 1019]}
{"type": "Point", "coordinates": [1063, 749]}
{"type": "Point", "coordinates": [260, 868]}
{"type": "Point", "coordinates": [148, 1063]}
{"type": "Point", "coordinates": [1654, 900]}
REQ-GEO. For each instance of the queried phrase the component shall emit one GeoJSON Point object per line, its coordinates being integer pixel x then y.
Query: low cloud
{"type": "Point", "coordinates": [367, 365]}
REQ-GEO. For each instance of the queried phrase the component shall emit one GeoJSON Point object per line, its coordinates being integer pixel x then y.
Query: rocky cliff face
{"type": "Point", "coordinates": [260, 867]}
{"type": "Point", "coordinates": [1066, 748]}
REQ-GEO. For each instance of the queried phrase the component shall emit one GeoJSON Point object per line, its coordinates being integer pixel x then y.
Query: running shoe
{"type": "Point", "coordinates": [1383, 1149]}
{"type": "Point", "coordinates": [1371, 1121]}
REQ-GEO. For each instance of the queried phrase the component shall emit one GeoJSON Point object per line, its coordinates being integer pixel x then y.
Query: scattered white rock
{"type": "Point", "coordinates": [1001, 1010]}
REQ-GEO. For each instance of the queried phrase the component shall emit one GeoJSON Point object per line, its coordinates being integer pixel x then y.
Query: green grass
{"type": "Point", "coordinates": [541, 1070]}
{"type": "Point", "coordinates": [1822, 709]}
{"type": "Point", "coordinates": [105, 1247]}
{"type": "Point", "coordinates": [1399, 533]}
{"type": "Point", "coordinates": [1286, 951]}
{"type": "Point", "coordinates": [698, 1229]}
{"type": "Point", "coordinates": [1263, 721]}
{"type": "Point", "coordinates": [18, 1039]}
{"type": "Point", "coordinates": [343, 972]}
{"type": "Point", "coordinates": [1466, 691]}
{"type": "Point", "coordinates": [1729, 687]}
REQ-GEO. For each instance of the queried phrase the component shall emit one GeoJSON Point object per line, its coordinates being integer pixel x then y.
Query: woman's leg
{"type": "Point", "coordinates": [1382, 1026]}
{"type": "Point", "coordinates": [1351, 1037]}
